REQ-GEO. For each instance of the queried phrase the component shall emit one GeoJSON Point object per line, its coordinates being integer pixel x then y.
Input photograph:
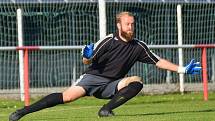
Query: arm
{"type": "Point", "coordinates": [192, 68]}
{"type": "Point", "coordinates": [87, 53]}
{"type": "Point", "coordinates": [86, 61]}
{"type": "Point", "coordinates": [164, 64]}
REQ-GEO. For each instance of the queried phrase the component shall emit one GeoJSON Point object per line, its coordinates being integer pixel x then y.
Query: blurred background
{"type": "Point", "coordinates": [75, 22]}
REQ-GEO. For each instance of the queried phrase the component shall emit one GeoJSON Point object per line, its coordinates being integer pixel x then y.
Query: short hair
{"type": "Point", "coordinates": [119, 15]}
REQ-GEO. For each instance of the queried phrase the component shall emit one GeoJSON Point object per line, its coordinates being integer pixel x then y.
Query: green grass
{"type": "Point", "coordinates": [171, 107]}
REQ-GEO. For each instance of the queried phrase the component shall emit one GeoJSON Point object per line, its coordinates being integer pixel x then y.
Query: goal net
{"type": "Point", "coordinates": [75, 23]}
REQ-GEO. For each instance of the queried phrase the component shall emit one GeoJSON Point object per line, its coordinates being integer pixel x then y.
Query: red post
{"type": "Point", "coordinates": [26, 79]}
{"type": "Point", "coordinates": [204, 73]}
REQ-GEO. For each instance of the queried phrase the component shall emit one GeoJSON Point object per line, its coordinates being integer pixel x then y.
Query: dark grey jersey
{"type": "Point", "coordinates": [113, 57]}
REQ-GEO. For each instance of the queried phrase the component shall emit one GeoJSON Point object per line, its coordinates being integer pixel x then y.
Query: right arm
{"type": "Point", "coordinates": [87, 53]}
{"type": "Point", "coordinates": [90, 53]}
{"type": "Point", "coordinates": [86, 61]}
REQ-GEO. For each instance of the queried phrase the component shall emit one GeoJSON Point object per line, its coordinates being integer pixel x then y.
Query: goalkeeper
{"type": "Point", "coordinates": [110, 60]}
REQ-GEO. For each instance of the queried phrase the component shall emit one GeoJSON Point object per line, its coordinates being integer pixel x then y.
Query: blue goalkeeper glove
{"type": "Point", "coordinates": [192, 68]}
{"type": "Point", "coordinates": [87, 51]}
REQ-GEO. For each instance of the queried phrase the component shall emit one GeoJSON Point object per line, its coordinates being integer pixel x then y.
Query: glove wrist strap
{"type": "Point", "coordinates": [181, 69]}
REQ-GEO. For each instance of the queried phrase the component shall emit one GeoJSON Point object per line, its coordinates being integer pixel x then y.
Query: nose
{"type": "Point", "coordinates": [128, 28]}
{"type": "Point", "coordinates": [131, 26]}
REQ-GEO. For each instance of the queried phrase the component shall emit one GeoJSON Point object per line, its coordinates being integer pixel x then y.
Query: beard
{"type": "Point", "coordinates": [127, 35]}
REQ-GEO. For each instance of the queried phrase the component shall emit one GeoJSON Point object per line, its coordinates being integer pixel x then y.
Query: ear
{"type": "Point", "coordinates": [118, 26]}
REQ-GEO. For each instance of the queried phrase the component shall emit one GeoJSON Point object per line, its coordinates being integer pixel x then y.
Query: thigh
{"type": "Point", "coordinates": [73, 93]}
{"type": "Point", "coordinates": [109, 90]}
{"type": "Point", "coordinates": [92, 84]}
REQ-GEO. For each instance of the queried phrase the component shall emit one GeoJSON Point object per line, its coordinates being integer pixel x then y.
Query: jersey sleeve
{"type": "Point", "coordinates": [146, 56]}
{"type": "Point", "coordinates": [101, 47]}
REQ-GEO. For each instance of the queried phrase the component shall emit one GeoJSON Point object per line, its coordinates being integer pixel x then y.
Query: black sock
{"type": "Point", "coordinates": [46, 102]}
{"type": "Point", "coordinates": [124, 95]}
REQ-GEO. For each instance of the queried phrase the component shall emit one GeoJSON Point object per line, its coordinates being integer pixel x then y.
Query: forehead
{"type": "Point", "coordinates": [127, 18]}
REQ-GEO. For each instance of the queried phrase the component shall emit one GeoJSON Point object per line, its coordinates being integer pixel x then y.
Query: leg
{"type": "Point", "coordinates": [126, 81]}
{"type": "Point", "coordinates": [127, 89]}
{"type": "Point", "coordinates": [71, 94]}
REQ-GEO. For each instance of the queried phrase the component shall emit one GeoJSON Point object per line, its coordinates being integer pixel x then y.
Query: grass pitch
{"type": "Point", "coordinates": [171, 107]}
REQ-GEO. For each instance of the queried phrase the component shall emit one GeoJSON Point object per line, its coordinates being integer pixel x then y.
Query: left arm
{"type": "Point", "coordinates": [192, 68]}
{"type": "Point", "coordinates": [151, 58]}
{"type": "Point", "coordinates": [165, 64]}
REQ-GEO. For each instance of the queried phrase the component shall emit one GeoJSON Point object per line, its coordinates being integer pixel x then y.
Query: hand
{"type": "Point", "coordinates": [193, 67]}
{"type": "Point", "coordinates": [87, 51]}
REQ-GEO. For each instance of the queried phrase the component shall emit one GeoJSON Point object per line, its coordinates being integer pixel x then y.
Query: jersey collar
{"type": "Point", "coordinates": [116, 37]}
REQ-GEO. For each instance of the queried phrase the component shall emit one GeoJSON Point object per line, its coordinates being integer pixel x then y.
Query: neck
{"type": "Point", "coordinates": [122, 38]}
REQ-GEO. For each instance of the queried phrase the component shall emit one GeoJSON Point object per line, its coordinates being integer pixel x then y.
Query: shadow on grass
{"type": "Point", "coordinates": [167, 113]}
{"type": "Point", "coordinates": [69, 118]}
{"type": "Point", "coordinates": [125, 115]}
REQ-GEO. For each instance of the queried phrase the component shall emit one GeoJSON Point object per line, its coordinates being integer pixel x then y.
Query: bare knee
{"type": "Point", "coordinates": [126, 81]}
{"type": "Point", "coordinates": [135, 79]}
{"type": "Point", "coordinates": [73, 93]}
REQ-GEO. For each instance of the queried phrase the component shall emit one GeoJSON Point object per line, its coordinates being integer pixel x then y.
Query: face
{"type": "Point", "coordinates": [126, 27]}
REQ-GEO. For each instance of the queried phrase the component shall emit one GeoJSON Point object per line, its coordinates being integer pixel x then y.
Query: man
{"type": "Point", "coordinates": [106, 78]}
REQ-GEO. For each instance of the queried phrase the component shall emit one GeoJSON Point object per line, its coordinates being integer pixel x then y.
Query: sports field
{"type": "Point", "coordinates": [171, 107]}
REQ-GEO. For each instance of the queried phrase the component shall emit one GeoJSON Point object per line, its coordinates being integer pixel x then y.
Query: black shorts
{"type": "Point", "coordinates": [100, 87]}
